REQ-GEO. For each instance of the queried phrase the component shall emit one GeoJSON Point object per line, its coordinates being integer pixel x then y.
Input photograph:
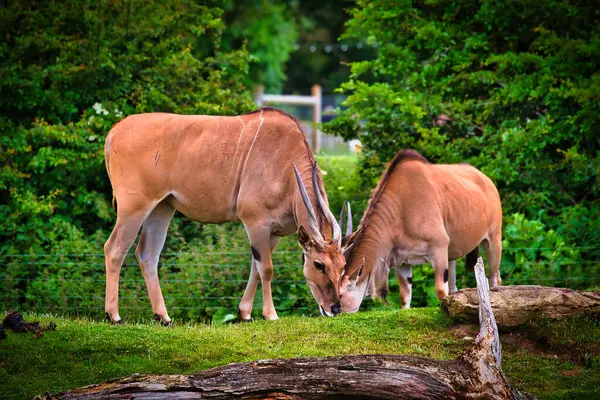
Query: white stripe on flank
{"type": "Point", "coordinates": [239, 141]}
{"type": "Point", "coordinates": [253, 140]}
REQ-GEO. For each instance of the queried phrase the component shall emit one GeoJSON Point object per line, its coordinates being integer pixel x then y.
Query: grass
{"type": "Point", "coordinates": [82, 352]}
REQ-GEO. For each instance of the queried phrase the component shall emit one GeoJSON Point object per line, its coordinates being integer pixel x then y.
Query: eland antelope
{"type": "Point", "coordinates": [421, 212]}
{"type": "Point", "coordinates": [255, 168]}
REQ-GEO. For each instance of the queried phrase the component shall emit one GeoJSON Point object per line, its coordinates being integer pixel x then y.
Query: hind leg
{"type": "Point", "coordinates": [452, 276]}
{"type": "Point", "coordinates": [439, 261]}
{"type": "Point", "coordinates": [130, 218]}
{"type": "Point", "coordinates": [152, 240]}
{"type": "Point", "coordinates": [493, 251]}
{"type": "Point", "coordinates": [404, 275]}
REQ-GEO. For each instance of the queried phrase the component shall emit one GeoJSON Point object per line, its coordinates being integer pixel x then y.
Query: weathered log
{"type": "Point", "coordinates": [516, 305]}
{"type": "Point", "coordinates": [475, 375]}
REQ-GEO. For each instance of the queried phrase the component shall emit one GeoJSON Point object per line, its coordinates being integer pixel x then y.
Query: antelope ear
{"type": "Point", "coordinates": [358, 272]}
{"type": "Point", "coordinates": [303, 237]}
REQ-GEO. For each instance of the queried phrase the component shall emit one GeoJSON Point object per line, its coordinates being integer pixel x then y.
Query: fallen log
{"type": "Point", "coordinates": [516, 305]}
{"type": "Point", "coordinates": [474, 375]}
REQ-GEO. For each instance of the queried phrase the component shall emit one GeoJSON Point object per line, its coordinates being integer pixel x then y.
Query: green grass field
{"type": "Point", "coordinates": [558, 360]}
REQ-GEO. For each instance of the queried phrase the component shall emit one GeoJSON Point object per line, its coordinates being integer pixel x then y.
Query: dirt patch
{"type": "Point", "coordinates": [465, 331]}
{"type": "Point", "coordinates": [516, 340]}
{"type": "Point", "coordinates": [571, 372]}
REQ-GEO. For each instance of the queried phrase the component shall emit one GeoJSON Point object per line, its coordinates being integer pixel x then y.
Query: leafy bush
{"type": "Point", "coordinates": [70, 71]}
{"type": "Point", "coordinates": [511, 88]}
{"type": "Point", "coordinates": [342, 183]}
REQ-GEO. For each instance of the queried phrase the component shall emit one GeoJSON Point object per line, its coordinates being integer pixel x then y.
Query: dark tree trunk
{"type": "Point", "coordinates": [515, 305]}
{"type": "Point", "coordinates": [474, 375]}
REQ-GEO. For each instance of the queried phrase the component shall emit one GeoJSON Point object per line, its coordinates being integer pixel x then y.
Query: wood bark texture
{"type": "Point", "coordinates": [516, 305]}
{"type": "Point", "coordinates": [474, 375]}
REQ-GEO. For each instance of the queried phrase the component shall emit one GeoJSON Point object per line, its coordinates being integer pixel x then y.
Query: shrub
{"type": "Point", "coordinates": [511, 88]}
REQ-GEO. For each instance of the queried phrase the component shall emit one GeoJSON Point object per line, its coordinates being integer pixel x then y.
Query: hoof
{"type": "Point", "coordinates": [242, 319]}
{"type": "Point", "coordinates": [119, 322]}
{"type": "Point", "coordinates": [162, 322]}
{"type": "Point", "coordinates": [272, 318]}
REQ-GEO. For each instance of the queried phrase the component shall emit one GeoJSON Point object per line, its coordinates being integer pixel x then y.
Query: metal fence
{"type": "Point", "coordinates": [210, 284]}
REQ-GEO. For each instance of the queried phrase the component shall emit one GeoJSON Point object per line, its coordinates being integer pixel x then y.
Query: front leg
{"type": "Point", "coordinates": [404, 275]}
{"type": "Point", "coordinates": [245, 306]}
{"type": "Point", "coordinates": [261, 244]}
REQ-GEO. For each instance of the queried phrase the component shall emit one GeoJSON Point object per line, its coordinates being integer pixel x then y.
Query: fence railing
{"type": "Point", "coordinates": [314, 100]}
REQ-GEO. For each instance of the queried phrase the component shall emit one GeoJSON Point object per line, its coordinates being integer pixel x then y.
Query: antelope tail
{"type": "Point", "coordinates": [107, 162]}
{"type": "Point", "coordinates": [471, 259]}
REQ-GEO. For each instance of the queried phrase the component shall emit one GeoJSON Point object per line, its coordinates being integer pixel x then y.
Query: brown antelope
{"type": "Point", "coordinates": [255, 168]}
{"type": "Point", "coordinates": [421, 212]}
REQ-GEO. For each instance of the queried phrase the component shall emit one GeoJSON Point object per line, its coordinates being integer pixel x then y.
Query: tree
{"type": "Point", "coordinates": [69, 71]}
{"type": "Point", "coordinates": [269, 31]}
{"type": "Point", "coordinates": [510, 87]}
{"type": "Point", "coordinates": [320, 58]}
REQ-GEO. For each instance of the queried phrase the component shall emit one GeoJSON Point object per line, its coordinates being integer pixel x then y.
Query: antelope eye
{"type": "Point", "coordinates": [303, 258]}
{"type": "Point", "coordinates": [320, 266]}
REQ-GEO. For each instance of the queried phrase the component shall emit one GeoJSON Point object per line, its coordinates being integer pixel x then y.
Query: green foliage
{"type": "Point", "coordinates": [320, 24]}
{"type": "Point", "coordinates": [520, 99]}
{"type": "Point", "coordinates": [510, 87]}
{"type": "Point", "coordinates": [201, 278]}
{"type": "Point", "coordinates": [61, 58]}
{"type": "Point", "coordinates": [533, 253]}
{"type": "Point", "coordinates": [269, 30]}
{"type": "Point", "coordinates": [69, 72]}
{"type": "Point", "coordinates": [53, 183]}
{"type": "Point", "coordinates": [342, 182]}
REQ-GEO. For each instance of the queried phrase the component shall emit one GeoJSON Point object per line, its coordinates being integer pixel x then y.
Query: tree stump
{"type": "Point", "coordinates": [516, 305]}
{"type": "Point", "coordinates": [474, 375]}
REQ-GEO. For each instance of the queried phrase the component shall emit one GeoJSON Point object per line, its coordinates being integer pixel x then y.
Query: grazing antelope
{"type": "Point", "coordinates": [255, 168]}
{"type": "Point", "coordinates": [421, 212]}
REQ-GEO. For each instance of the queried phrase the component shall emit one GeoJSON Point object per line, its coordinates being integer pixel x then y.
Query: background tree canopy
{"type": "Point", "coordinates": [70, 70]}
{"type": "Point", "coordinates": [511, 87]}
{"type": "Point", "coordinates": [269, 30]}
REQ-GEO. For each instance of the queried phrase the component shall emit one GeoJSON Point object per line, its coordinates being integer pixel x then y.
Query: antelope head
{"type": "Point", "coordinates": [353, 289]}
{"type": "Point", "coordinates": [354, 285]}
{"type": "Point", "coordinates": [323, 259]}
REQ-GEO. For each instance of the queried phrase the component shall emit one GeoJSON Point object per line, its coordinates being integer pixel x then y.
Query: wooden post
{"type": "Point", "coordinates": [316, 133]}
{"type": "Point", "coordinates": [314, 100]}
{"type": "Point", "coordinates": [259, 92]}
